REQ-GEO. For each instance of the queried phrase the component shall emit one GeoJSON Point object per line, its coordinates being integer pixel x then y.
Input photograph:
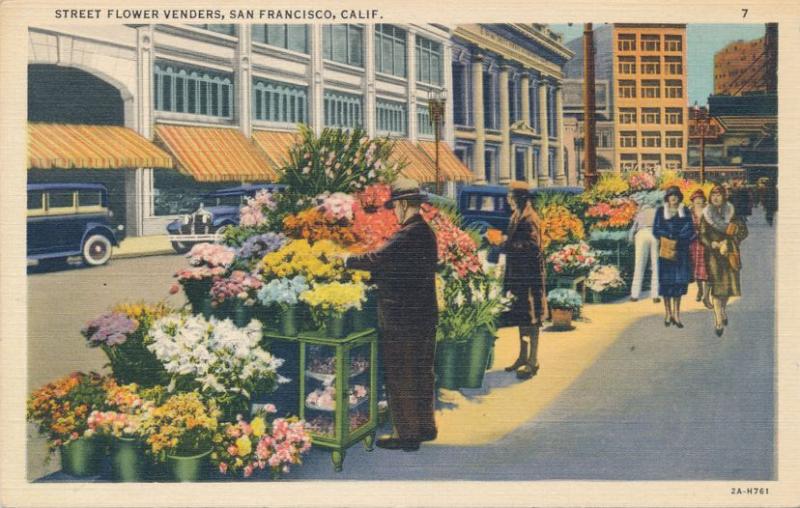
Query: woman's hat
{"type": "Point", "coordinates": [698, 194]}
{"type": "Point", "coordinates": [718, 189]}
{"type": "Point", "coordinates": [673, 191]}
{"type": "Point", "coordinates": [405, 189]}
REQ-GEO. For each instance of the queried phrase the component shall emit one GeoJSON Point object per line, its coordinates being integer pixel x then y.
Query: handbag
{"type": "Point", "coordinates": [732, 229]}
{"type": "Point", "coordinates": [667, 249]}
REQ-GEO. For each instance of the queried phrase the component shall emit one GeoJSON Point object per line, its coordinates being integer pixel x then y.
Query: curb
{"type": "Point", "coordinates": [141, 254]}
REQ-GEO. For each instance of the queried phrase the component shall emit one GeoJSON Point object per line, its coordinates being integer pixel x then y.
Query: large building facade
{"type": "Point", "coordinates": [507, 102]}
{"type": "Point", "coordinates": [644, 68]}
{"type": "Point", "coordinates": [739, 68]}
{"type": "Point", "coordinates": [197, 91]}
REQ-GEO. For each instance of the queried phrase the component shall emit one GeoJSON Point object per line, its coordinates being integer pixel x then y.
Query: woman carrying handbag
{"type": "Point", "coordinates": [674, 229]}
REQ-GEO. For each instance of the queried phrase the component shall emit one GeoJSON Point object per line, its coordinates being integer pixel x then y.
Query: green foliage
{"type": "Point", "coordinates": [571, 202]}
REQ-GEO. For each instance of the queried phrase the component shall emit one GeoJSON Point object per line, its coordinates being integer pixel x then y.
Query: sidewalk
{"type": "Point", "coordinates": [139, 246]}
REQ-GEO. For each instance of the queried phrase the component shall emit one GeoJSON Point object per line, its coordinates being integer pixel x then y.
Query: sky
{"type": "Point", "coordinates": [703, 40]}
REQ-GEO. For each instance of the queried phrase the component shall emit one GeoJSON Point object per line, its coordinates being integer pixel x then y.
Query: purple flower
{"type": "Point", "coordinates": [260, 245]}
{"type": "Point", "coordinates": [111, 329]}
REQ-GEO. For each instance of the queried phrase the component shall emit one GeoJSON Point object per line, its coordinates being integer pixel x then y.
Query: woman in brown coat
{"type": "Point", "coordinates": [525, 278]}
{"type": "Point", "coordinates": [721, 232]}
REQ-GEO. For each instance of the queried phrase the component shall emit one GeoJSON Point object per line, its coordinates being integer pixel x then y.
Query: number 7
{"type": "Point", "coordinates": [744, 12]}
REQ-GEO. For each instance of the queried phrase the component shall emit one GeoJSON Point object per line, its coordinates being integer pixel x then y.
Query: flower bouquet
{"type": "Point", "coordinates": [457, 250]}
{"type": "Point", "coordinates": [245, 448]}
{"type": "Point", "coordinates": [215, 357]}
{"type": "Point", "coordinates": [181, 432]}
{"type": "Point", "coordinates": [320, 262]}
{"type": "Point", "coordinates": [373, 224]}
{"type": "Point", "coordinates": [603, 279]}
{"type": "Point", "coordinates": [206, 260]}
{"type": "Point", "coordinates": [641, 181]}
{"type": "Point", "coordinates": [283, 295]}
{"type": "Point", "coordinates": [60, 411]}
{"type": "Point", "coordinates": [572, 260]}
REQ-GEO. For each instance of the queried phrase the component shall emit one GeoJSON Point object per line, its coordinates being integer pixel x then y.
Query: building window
{"type": "Point", "coordinates": [424, 125]}
{"type": "Point", "coordinates": [220, 29]}
{"type": "Point", "coordinates": [429, 61]}
{"type": "Point", "coordinates": [520, 154]}
{"type": "Point", "coordinates": [462, 94]}
{"type": "Point", "coordinates": [651, 161]}
{"type": "Point", "coordinates": [627, 115]}
{"type": "Point", "coordinates": [175, 193]}
{"type": "Point", "coordinates": [673, 43]}
{"type": "Point", "coordinates": [343, 110]}
{"type": "Point", "coordinates": [651, 115]}
{"type": "Point", "coordinates": [627, 65]}
{"type": "Point", "coordinates": [291, 37]}
{"type": "Point", "coordinates": [674, 116]}
{"type": "Point", "coordinates": [674, 65]}
{"type": "Point", "coordinates": [514, 100]}
{"type": "Point", "coordinates": [651, 42]}
{"type": "Point", "coordinates": [651, 65]}
{"type": "Point", "coordinates": [490, 165]}
{"type": "Point", "coordinates": [181, 89]}
{"type": "Point", "coordinates": [392, 117]}
{"type": "Point", "coordinates": [464, 154]}
{"type": "Point", "coordinates": [602, 139]}
{"type": "Point", "coordinates": [673, 89]}
{"type": "Point", "coordinates": [673, 161]}
{"type": "Point", "coordinates": [651, 89]}
{"type": "Point", "coordinates": [651, 139]}
{"type": "Point", "coordinates": [626, 42]}
{"type": "Point", "coordinates": [343, 44]}
{"type": "Point", "coordinates": [551, 163]}
{"type": "Point", "coordinates": [628, 161]}
{"type": "Point", "coordinates": [390, 50]}
{"type": "Point", "coordinates": [491, 104]}
{"type": "Point", "coordinates": [674, 139]}
{"type": "Point", "coordinates": [537, 162]}
{"type": "Point", "coordinates": [627, 139]}
{"type": "Point", "coordinates": [552, 118]}
{"type": "Point", "coordinates": [279, 102]}
{"type": "Point", "coordinates": [627, 89]}
{"type": "Point", "coordinates": [534, 105]}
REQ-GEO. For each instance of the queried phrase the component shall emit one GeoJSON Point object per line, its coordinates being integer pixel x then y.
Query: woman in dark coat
{"type": "Point", "coordinates": [525, 278]}
{"type": "Point", "coordinates": [673, 222]}
{"type": "Point", "coordinates": [721, 232]}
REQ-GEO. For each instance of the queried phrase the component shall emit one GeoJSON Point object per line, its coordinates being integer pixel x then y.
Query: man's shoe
{"type": "Point", "coordinates": [428, 437]}
{"type": "Point", "coordinates": [633, 299]}
{"type": "Point", "coordinates": [656, 300]}
{"type": "Point", "coordinates": [395, 443]}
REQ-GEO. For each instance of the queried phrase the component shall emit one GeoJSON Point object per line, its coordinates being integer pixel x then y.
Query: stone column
{"type": "Point", "coordinates": [525, 95]}
{"type": "Point", "coordinates": [478, 156]}
{"type": "Point", "coordinates": [411, 73]}
{"type": "Point", "coordinates": [560, 173]}
{"type": "Point", "coordinates": [244, 81]}
{"type": "Point", "coordinates": [505, 127]}
{"type": "Point", "coordinates": [370, 104]}
{"type": "Point", "coordinates": [316, 90]}
{"type": "Point", "coordinates": [544, 151]}
{"type": "Point", "coordinates": [448, 133]}
{"type": "Point", "coordinates": [529, 176]}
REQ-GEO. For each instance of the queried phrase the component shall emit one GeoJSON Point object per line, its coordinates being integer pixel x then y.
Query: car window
{"type": "Point", "coordinates": [488, 204]}
{"type": "Point", "coordinates": [472, 203]}
{"type": "Point", "coordinates": [235, 200]}
{"type": "Point", "coordinates": [61, 199]}
{"type": "Point", "coordinates": [501, 204]}
{"type": "Point", "coordinates": [90, 198]}
{"type": "Point", "coordinates": [35, 200]}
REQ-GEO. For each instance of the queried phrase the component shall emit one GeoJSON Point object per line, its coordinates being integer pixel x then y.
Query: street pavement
{"type": "Point", "coordinates": [658, 404]}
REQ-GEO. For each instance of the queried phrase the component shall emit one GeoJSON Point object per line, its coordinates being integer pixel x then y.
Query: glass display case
{"type": "Point", "coordinates": [335, 385]}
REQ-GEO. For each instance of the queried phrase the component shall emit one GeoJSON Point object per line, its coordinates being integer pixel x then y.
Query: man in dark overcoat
{"type": "Point", "coordinates": [404, 270]}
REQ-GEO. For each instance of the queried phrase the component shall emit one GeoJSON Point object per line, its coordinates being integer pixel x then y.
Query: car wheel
{"type": "Point", "coordinates": [181, 247]}
{"type": "Point", "coordinates": [96, 250]}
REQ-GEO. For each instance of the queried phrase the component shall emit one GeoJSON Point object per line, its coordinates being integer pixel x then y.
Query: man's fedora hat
{"type": "Point", "coordinates": [405, 188]}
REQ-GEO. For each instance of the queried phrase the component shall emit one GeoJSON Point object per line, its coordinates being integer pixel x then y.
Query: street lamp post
{"type": "Point", "coordinates": [701, 122]}
{"type": "Point", "coordinates": [437, 104]}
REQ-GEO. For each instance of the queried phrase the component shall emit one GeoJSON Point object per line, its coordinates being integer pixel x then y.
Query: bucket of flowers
{"type": "Point", "coordinates": [180, 434]}
{"type": "Point", "coordinates": [234, 296]}
{"type": "Point", "coordinates": [570, 263]}
{"type": "Point", "coordinates": [60, 411]}
{"type": "Point", "coordinates": [563, 304]}
{"type": "Point", "coordinates": [331, 303]}
{"type": "Point", "coordinates": [206, 260]}
{"type": "Point", "coordinates": [604, 280]}
{"type": "Point", "coordinates": [281, 299]}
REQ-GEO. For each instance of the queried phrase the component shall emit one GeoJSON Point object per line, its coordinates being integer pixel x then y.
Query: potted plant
{"type": "Point", "coordinates": [216, 358]}
{"type": "Point", "coordinates": [281, 297]}
{"type": "Point", "coordinates": [235, 295]}
{"type": "Point", "coordinates": [331, 302]}
{"type": "Point", "coordinates": [604, 279]}
{"type": "Point", "coordinates": [207, 260]}
{"type": "Point", "coordinates": [563, 303]}
{"type": "Point", "coordinates": [60, 410]}
{"type": "Point", "coordinates": [244, 448]}
{"type": "Point", "coordinates": [180, 434]}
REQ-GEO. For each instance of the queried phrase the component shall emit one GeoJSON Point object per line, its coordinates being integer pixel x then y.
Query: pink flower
{"type": "Point", "coordinates": [270, 408]}
{"type": "Point", "coordinates": [248, 471]}
{"type": "Point", "coordinates": [223, 467]}
{"type": "Point", "coordinates": [232, 450]}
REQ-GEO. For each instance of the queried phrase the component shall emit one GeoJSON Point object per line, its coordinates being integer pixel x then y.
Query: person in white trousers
{"type": "Point", "coordinates": [646, 245]}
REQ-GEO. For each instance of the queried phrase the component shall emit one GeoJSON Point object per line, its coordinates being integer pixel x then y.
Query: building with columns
{"type": "Point", "coordinates": [224, 101]}
{"type": "Point", "coordinates": [507, 102]}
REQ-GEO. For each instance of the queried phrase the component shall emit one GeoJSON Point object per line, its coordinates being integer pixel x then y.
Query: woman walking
{"type": "Point", "coordinates": [697, 251]}
{"type": "Point", "coordinates": [722, 232]}
{"type": "Point", "coordinates": [525, 278]}
{"type": "Point", "coordinates": [674, 229]}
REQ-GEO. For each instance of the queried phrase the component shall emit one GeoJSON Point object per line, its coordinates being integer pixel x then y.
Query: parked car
{"type": "Point", "coordinates": [208, 223]}
{"type": "Point", "coordinates": [485, 206]}
{"type": "Point", "coordinates": [70, 219]}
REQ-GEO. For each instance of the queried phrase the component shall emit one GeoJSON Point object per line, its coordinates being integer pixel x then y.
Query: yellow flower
{"type": "Point", "coordinates": [244, 445]}
{"type": "Point", "coordinates": [258, 426]}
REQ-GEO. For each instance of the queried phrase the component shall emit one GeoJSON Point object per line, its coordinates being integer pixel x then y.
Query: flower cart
{"type": "Point", "coordinates": [337, 389]}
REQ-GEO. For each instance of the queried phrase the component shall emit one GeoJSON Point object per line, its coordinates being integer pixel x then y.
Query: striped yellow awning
{"type": "Point", "coordinates": [61, 146]}
{"type": "Point", "coordinates": [450, 167]}
{"type": "Point", "coordinates": [416, 164]}
{"type": "Point", "coordinates": [215, 154]}
{"type": "Point", "coordinates": [275, 145]}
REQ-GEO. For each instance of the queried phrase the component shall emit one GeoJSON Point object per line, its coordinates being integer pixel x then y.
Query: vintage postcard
{"type": "Point", "coordinates": [398, 253]}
